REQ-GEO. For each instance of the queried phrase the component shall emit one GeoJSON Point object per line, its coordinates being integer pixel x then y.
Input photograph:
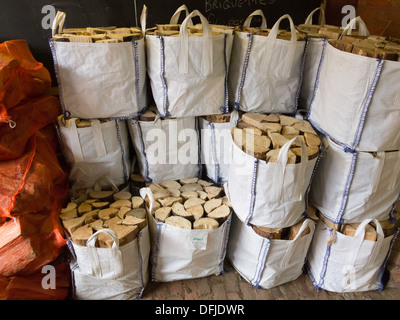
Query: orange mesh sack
{"type": "Point", "coordinates": [28, 118]}
{"type": "Point", "coordinates": [21, 76]}
{"type": "Point", "coordinates": [31, 182]}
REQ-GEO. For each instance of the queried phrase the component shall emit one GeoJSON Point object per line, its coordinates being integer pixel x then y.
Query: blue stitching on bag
{"type": "Point", "coordinates": [157, 249]}
{"type": "Point", "coordinates": [137, 75]}
{"type": "Point", "coordinates": [140, 265]}
{"type": "Point", "coordinates": [316, 84]}
{"type": "Point", "coordinates": [146, 167]}
{"type": "Point", "coordinates": [371, 91]}
{"type": "Point", "coordinates": [312, 178]}
{"type": "Point", "coordinates": [164, 84]}
{"type": "Point", "coordinates": [225, 108]}
{"type": "Point", "coordinates": [349, 179]}
{"type": "Point", "coordinates": [262, 265]}
{"type": "Point", "coordinates": [253, 187]}
{"type": "Point", "coordinates": [325, 263]}
{"type": "Point", "coordinates": [386, 260]}
{"type": "Point", "coordinates": [242, 78]}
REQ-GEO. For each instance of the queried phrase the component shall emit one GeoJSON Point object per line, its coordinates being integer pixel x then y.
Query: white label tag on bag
{"type": "Point", "coordinates": [199, 240]}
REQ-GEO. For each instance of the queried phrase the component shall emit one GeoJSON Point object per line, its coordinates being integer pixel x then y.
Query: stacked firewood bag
{"type": "Point", "coordinates": [273, 160]}
{"type": "Point", "coordinates": [102, 82]}
{"type": "Point", "coordinates": [355, 106]}
{"type": "Point", "coordinates": [33, 183]}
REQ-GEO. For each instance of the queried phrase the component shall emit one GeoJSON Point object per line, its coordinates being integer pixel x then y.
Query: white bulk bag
{"type": "Point", "coordinates": [350, 187]}
{"type": "Point", "coordinates": [216, 147]}
{"type": "Point", "coordinates": [96, 152]}
{"type": "Point", "coordinates": [349, 264]}
{"type": "Point", "coordinates": [265, 72]}
{"type": "Point", "coordinates": [166, 149]}
{"type": "Point", "coordinates": [100, 80]}
{"type": "Point", "coordinates": [312, 58]}
{"type": "Point", "coordinates": [357, 100]}
{"type": "Point", "coordinates": [188, 75]}
{"type": "Point", "coordinates": [178, 254]}
{"type": "Point", "coordinates": [267, 263]}
{"type": "Point", "coordinates": [269, 194]}
{"type": "Point", "coordinates": [117, 273]}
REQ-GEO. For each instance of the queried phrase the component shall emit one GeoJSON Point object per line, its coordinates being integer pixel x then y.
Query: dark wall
{"type": "Point", "coordinates": [31, 19]}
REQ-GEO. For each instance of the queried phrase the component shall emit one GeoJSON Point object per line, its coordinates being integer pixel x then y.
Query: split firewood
{"type": "Point", "coordinates": [162, 213]}
{"type": "Point", "coordinates": [245, 126]}
{"type": "Point", "coordinates": [226, 201]}
{"type": "Point", "coordinates": [178, 221]}
{"type": "Point", "coordinates": [122, 195]}
{"type": "Point", "coordinates": [174, 192]}
{"type": "Point", "coordinates": [218, 118]}
{"type": "Point", "coordinates": [204, 183]}
{"type": "Point", "coordinates": [100, 204]}
{"type": "Point", "coordinates": [84, 207]}
{"type": "Point", "coordinates": [121, 203]}
{"type": "Point", "coordinates": [304, 126]}
{"type": "Point", "coordinates": [190, 194]}
{"type": "Point", "coordinates": [388, 227]}
{"type": "Point", "coordinates": [188, 180]}
{"type": "Point", "coordinates": [102, 195]}
{"type": "Point", "coordinates": [206, 223]}
{"type": "Point", "coordinates": [350, 230]}
{"type": "Point", "coordinates": [108, 213]}
{"type": "Point", "coordinates": [202, 195]}
{"type": "Point", "coordinates": [67, 215]}
{"type": "Point", "coordinates": [72, 224]}
{"type": "Point", "coordinates": [288, 121]}
{"type": "Point", "coordinates": [91, 216]}
{"type": "Point", "coordinates": [159, 194]}
{"type": "Point", "coordinates": [212, 204]}
{"type": "Point", "coordinates": [213, 191]}
{"type": "Point", "coordinates": [272, 156]}
{"type": "Point", "coordinates": [171, 184]}
{"type": "Point", "coordinates": [191, 187]}
{"type": "Point", "coordinates": [169, 201]}
{"type": "Point", "coordinates": [123, 211]}
{"type": "Point", "coordinates": [137, 202]}
{"type": "Point", "coordinates": [70, 206]}
{"type": "Point", "coordinates": [270, 233]}
{"type": "Point", "coordinates": [312, 139]}
{"type": "Point", "coordinates": [260, 121]}
{"type": "Point", "coordinates": [125, 235]}
{"type": "Point", "coordinates": [196, 211]}
{"type": "Point", "coordinates": [278, 140]}
{"type": "Point", "coordinates": [191, 202]}
{"type": "Point", "coordinates": [221, 213]}
{"type": "Point", "coordinates": [290, 131]}
{"type": "Point", "coordinates": [179, 210]}
{"type": "Point", "coordinates": [81, 235]}
{"type": "Point", "coordinates": [138, 213]}
{"type": "Point", "coordinates": [155, 187]}
{"type": "Point", "coordinates": [96, 225]}
{"type": "Point", "coordinates": [137, 180]}
{"type": "Point", "coordinates": [109, 222]}
{"type": "Point", "coordinates": [134, 221]}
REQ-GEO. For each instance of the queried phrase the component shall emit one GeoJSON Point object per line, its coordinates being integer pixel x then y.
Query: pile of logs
{"type": "Point", "coordinates": [99, 35]}
{"type": "Point", "coordinates": [263, 136]}
{"type": "Point", "coordinates": [193, 31]}
{"type": "Point", "coordinates": [288, 233]}
{"type": "Point", "coordinates": [119, 211]}
{"type": "Point", "coordinates": [190, 203]}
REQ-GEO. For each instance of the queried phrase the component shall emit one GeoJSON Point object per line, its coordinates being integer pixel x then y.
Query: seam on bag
{"type": "Point", "coordinates": [303, 60]}
{"type": "Point", "coordinates": [213, 153]}
{"type": "Point", "coordinates": [157, 249]}
{"type": "Point", "coordinates": [146, 164]}
{"type": "Point", "coordinates": [162, 71]}
{"type": "Point", "coordinates": [253, 192]}
{"type": "Point", "coordinates": [307, 195]}
{"type": "Point", "coordinates": [196, 126]}
{"type": "Point", "coordinates": [307, 268]}
{"type": "Point", "coordinates": [140, 266]}
{"type": "Point", "coordinates": [382, 270]}
{"type": "Point", "coordinates": [349, 180]}
{"type": "Point", "coordinates": [370, 94]}
{"type": "Point", "coordinates": [57, 73]}
{"type": "Point", "coordinates": [325, 263]}
{"type": "Point", "coordinates": [125, 169]}
{"type": "Point", "coordinates": [225, 239]}
{"type": "Point", "coordinates": [225, 108]}
{"type": "Point", "coordinates": [137, 75]}
{"type": "Point", "coordinates": [262, 264]}
{"type": "Point", "coordinates": [243, 76]}
{"type": "Point", "coordinates": [316, 84]}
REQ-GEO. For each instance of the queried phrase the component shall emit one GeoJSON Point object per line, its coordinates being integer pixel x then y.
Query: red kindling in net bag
{"type": "Point", "coordinates": [29, 118]}
{"type": "Point", "coordinates": [21, 76]}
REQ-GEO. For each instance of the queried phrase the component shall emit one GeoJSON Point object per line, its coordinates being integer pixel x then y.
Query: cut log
{"type": "Point", "coordinates": [90, 201]}
{"type": "Point", "coordinates": [91, 216]}
{"type": "Point", "coordinates": [121, 203]}
{"type": "Point", "coordinates": [312, 139]}
{"type": "Point", "coordinates": [169, 201]}
{"type": "Point", "coordinates": [171, 184]}
{"type": "Point", "coordinates": [304, 126]}
{"type": "Point", "coordinates": [288, 121]}
{"type": "Point", "coordinates": [125, 235]}
{"type": "Point", "coordinates": [226, 201]}
{"type": "Point", "coordinates": [202, 195]}
{"type": "Point", "coordinates": [84, 207]}
{"type": "Point", "coordinates": [190, 194]}
{"type": "Point", "coordinates": [72, 224]}
{"type": "Point", "coordinates": [388, 227]}
{"type": "Point", "coordinates": [289, 130]}
{"type": "Point", "coordinates": [109, 222]}
{"type": "Point", "coordinates": [218, 118]}
{"type": "Point", "coordinates": [179, 222]}
{"type": "Point", "coordinates": [212, 204]}
{"type": "Point", "coordinates": [134, 221]}
{"type": "Point", "coordinates": [188, 180]}
{"type": "Point", "coordinates": [100, 204]}
{"type": "Point", "coordinates": [179, 210]}
{"type": "Point", "coordinates": [70, 206]}
{"type": "Point", "coordinates": [278, 140]}
{"type": "Point", "coordinates": [350, 230]}
{"type": "Point", "coordinates": [138, 213]}
{"type": "Point", "coordinates": [196, 211]}
{"type": "Point", "coordinates": [155, 187]}
{"type": "Point", "coordinates": [160, 194]}
{"type": "Point", "coordinates": [137, 180]}
{"type": "Point", "coordinates": [162, 213]}
{"type": "Point", "coordinates": [193, 202]}
{"type": "Point", "coordinates": [103, 195]}
{"type": "Point", "coordinates": [270, 233]}
{"type": "Point", "coordinates": [204, 183]}
{"type": "Point", "coordinates": [245, 126]}
{"type": "Point", "coordinates": [123, 211]}
{"type": "Point", "coordinates": [213, 191]}
{"type": "Point", "coordinates": [260, 121]}
{"type": "Point", "coordinates": [206, 223]}
{"type": "Point", "coordinates": [108, 213]}
{"type": "Point", "coordinates": [67, 215]}
{"type": "Point", "coordinates": [148, 115]}
{"type": "Point", "coordinates": [272, 118]}
{"type": "Point", "coordinates": [191, 187]}
{"type": "Point", "coordinates": [220, 214]}
{"type": "Point", "coordinates": [122, 195]}
{"type": "Point", "coordinates": [272, 156]}
{"type": "Point", "coordinates": [81, 235]}
{"type": "Point", "coordinates": [174, 192]}
{"type": "Point", "coordinates": [96, 225]}
{"type": "Point", "coordinates": [137, 202]}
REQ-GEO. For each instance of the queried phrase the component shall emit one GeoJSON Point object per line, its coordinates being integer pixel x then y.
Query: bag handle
{"type": "Point", "coordinates": [280, 169]}
{"type": "Point", "coordinates": [363, 30]}
{"type": "Point", "coordinates": [310, 16]}
{"type": "Point", "coordinates": [75, 145]}
{"type": "Point", "coordinates": [114, 253]}
{"type": "Point", "coordinates": [258, 12]}
{"type": "Point", "coordinates": [207, 50]}
{"type": "Point", "coordinates": [290, 53]}
{"type": "Point", "coordinates": [175, 17]}
{"type": "Point", "coordinates": [293, 244]}
{"type": "Point", "coordinates": [359, 239]}
{"type": "Point", "coordinates": [98, 138]}
{"type": "Point", "coordinates": [58, 22]}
